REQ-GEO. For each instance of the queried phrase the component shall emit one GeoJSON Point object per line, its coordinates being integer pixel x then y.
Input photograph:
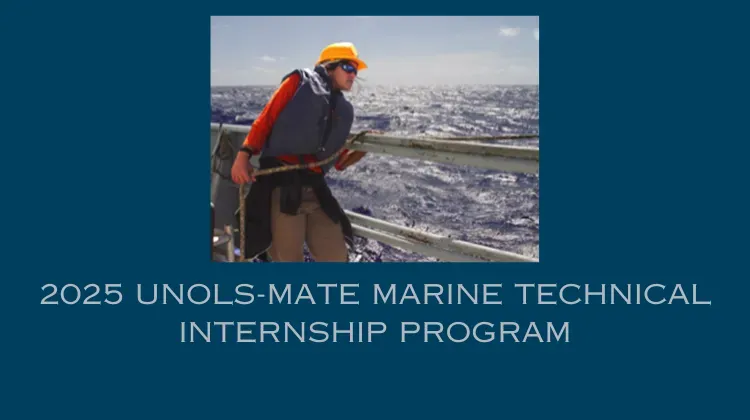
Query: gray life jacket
{"type": "Point", "coordinates": [309, 124]}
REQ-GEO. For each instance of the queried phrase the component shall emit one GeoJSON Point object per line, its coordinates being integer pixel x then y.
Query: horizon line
{"type": "Point", "coordinates": [397, 84]}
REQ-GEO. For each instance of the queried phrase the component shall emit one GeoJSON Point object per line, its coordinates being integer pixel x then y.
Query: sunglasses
{"type": "Point", "coordinates": [348, 67]}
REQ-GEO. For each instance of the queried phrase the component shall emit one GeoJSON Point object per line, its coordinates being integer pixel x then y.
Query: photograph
{"type": "Point", "coordinates": [374, 139]}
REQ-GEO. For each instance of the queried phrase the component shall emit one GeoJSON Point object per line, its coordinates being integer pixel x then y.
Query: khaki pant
{"type": "Point", "coordinates": [324, 238]}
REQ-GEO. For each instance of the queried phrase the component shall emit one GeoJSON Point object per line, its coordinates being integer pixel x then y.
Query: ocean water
{"type": "Point", "coordinates": [487, 207]}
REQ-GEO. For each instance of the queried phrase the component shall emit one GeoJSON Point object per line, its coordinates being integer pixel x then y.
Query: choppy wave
{"type": "Point", "coordinates": [487, 207]}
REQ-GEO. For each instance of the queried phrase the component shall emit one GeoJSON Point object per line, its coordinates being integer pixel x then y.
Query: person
{"type": "Point", "coordinates": [307, 119]}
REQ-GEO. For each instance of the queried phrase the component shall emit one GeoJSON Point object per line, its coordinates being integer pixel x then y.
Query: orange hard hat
{"type": "Point", "coordinates": [341, 51]}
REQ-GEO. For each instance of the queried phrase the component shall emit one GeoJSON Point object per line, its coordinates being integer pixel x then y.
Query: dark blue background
{"type": "Point", "coordinates": [105, 156]}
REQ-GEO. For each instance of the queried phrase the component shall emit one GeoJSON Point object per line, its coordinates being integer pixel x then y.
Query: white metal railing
{"type": "Point", "coordinates": [488, 156]}
{"type": "Point", "coordinates": [459, 152]}
{"type": "Point", "coordinates": [476, 154]}
{"type": "Point", "coordinates": [427, 243]}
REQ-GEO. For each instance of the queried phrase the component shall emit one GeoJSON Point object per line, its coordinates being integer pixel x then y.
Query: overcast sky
{"type": "Point", "coordinates": [259, 50]}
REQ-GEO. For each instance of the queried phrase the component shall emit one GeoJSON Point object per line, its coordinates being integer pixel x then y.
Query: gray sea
{"type": "Point", "coordinates": [487, 207]}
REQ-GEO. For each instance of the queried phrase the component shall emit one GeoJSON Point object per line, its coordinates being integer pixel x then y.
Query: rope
{"type": "Point", "coordinates": [311, 165]}
{"type": "Point", "coordinates": [501, 137]}
{"type": "Point", "coordinates": [242, 222]}
{"type": "Point", "coordinates": [286, 168]}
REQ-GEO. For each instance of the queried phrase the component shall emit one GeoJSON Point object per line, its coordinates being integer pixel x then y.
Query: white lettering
{"type": "Point", "coordinates": [524, 286]}
{"type": "Point", "coordinates": [695, 297]}
{"type": "Point", "coordinates": [409, 293]}
{"type": "Point", "coordinates": [648, 299]}
{"type": "Point", "coordinates": [241, 331]}
{"type": "Point", "coordinates": [327, 288]}
{"type": "Point", "coordinates": [532, 326]}
{"type": "Point", "coordinates": [371, 331]}
{"type": "Point", "coordinates": [264, 329]}
{"type": "Point", "coordinates": [562, 298]}
{"type": "Point", "coordinates": [463, 291]}
{"type": "Point", "coordinates": [678, 291]}
{"type": "Point", "coordinates": [344, 294]}
{"type": "Point", "coordinates": [140, 297]}
{"type": "Point", "coordinates": [305, 293]}
{"type": "Point", "coordinates": [541, 293]}
{"type": "Point", "coordinates": [238, 291]}
{"type": "Point", "coordinates": [513, 332]}
{"type": "Point", "coordinates": [202, 286]}
{"type": "Point", "coordinates": [414, 328]}
{"type": "Point", "coordinates": [273, 294]}
{"type": "Point", "coordinates": [487, 293]}
{"type": "Point", "coordinates": [617, 289]}
{"type": "Point", "coordinates": [315, 330]}
{"type": "Point", "coordinates": [391, 294]}
{"type": "Point", "coordinates": [223, 330]}
{"type": "Point", "coordinates": [217, 299]}
{"type": "Point", "coordinates": [436, 295]}
{"type": "Point", "coordinates": [429, 330]}
{"type": "Point", "coordinates": [590, 293]}
{"type": "Point", "coordinates": [551, 332]}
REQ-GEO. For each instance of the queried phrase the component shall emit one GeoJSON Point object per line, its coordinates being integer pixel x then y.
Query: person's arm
{"type": "Point", "coordinates": [341, 159]}
{"type": "Point", "coordinates": [348, 158]}
{"type": "Point", "coordinates": [261, 128]}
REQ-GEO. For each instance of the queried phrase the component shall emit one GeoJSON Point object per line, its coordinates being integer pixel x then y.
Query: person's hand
{"type": "Point", "coordinates": [351, 157]}
{"type": "Point", "coordinates": [242, 171]}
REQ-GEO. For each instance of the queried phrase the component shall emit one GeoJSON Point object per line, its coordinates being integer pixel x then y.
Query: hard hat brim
{"type": "Point", "coordinates": [361, 65]}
